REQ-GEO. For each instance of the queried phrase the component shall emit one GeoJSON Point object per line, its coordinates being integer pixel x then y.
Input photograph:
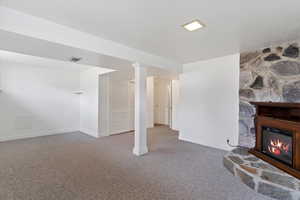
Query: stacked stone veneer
{"type": "Point", "coordinates": [270, 74]}
{"type": "Point", "coordinates": [261, 176]}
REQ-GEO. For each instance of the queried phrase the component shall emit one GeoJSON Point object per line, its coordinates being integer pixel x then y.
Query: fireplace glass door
{"type": "Point", "coordinates": [278, 144]}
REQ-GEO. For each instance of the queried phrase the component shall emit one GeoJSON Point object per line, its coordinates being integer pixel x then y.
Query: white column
{"type": "Point", "coordinates": [140, 121]}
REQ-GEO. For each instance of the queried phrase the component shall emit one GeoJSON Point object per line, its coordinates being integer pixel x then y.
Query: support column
{"type": "Point", "coordinates": [140, 124]}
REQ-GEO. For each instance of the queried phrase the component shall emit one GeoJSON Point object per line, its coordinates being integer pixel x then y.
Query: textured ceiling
{"type": "Point", "coordinates": [155, 26]}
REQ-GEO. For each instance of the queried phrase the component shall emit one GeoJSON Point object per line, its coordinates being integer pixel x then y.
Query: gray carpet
{"type": "Point", "coordinates": [74, 166]}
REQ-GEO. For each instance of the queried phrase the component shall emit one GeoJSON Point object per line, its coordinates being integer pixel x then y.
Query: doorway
{"type": "Point", "coordinates": [162, 102]}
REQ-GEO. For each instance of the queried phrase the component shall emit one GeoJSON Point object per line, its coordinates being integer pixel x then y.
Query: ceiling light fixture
{"type": "Point", "coordinates": [193, 25]}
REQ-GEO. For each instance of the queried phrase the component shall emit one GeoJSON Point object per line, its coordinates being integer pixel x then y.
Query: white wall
{"type": "Point", "coordinates": [37, 100]}
{"type": "Point", "coordinates": [175, 103]}
{"type": "Point", "coordinates": [208, 110]}
{"type": "Point", "coordinates": [104, 101]}
{"type": "Point", "coordinates": [150, 102]}
{"type": "Point", "coordinates": [89, 101]}
{"type": "Point", "coordinates": [121, 89]}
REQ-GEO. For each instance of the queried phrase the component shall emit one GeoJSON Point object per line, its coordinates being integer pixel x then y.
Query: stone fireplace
{"type": "Point", "coordinates": [272, 167]}
{"type": "Point", "coordinates": [277, 135]}
{"type": "Point", "coordinates": [269, 74]}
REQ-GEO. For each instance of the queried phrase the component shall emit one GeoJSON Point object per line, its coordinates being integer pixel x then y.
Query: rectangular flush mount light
{"type": "Point", "coordinates": [193, 25]}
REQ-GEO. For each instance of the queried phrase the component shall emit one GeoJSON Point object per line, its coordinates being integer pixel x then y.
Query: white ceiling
{"type": "Point", "coordinates": [41, 48]}
{"type": "Point", "coordinates": [155, 26]}
{"type": "Point", "coordinates": [23, 49]}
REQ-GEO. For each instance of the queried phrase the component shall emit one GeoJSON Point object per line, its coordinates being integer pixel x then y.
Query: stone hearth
{"type": "Point", "coordinates": [261, 176]}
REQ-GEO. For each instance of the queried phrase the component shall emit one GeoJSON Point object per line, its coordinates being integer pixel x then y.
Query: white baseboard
{"type": "Point", "coordinates": [120, 131]}
{"type": "Point", "coordinates": [89, 132]}
{"type": "Point", "coordinates": [195, 142]}
{"type": "Point", "coordinates": [36, 134]}
{"type": "Point", "coordinates": [187, 140]}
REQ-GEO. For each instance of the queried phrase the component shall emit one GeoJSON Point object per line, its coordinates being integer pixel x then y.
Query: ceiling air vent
{"type": "Point", "coordinates": [75, 59]}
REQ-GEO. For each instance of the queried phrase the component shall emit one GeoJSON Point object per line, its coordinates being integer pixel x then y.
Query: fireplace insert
{"type": "Point", "coordinates": [277, 144]}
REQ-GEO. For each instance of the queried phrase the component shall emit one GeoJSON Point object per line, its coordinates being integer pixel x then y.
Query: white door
{"type": "Point", "coordinates": [162, 102]}
{"type": "Point", "coordinates": [120, 112]}
{"type": "Point", "coordinates": [131, 104]}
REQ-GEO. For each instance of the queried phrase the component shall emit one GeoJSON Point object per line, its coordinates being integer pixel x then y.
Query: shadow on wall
{"type": "Point", "coordinates": [37, 101]}
{"type": "Point", "coordinates": [270, 74]}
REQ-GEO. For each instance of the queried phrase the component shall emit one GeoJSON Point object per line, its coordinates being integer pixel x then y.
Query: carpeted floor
{"type": "Point", "coordinates": [74, 166]}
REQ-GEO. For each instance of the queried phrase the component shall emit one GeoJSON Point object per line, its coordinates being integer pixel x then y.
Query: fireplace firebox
{"type": "Point", "coordinates": [278, 144]}
{"type": "Point", "coordinates": [278, 135]}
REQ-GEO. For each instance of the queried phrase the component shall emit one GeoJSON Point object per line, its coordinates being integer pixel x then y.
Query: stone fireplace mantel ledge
{"type": "Point", "coordinates": [261, 176]}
